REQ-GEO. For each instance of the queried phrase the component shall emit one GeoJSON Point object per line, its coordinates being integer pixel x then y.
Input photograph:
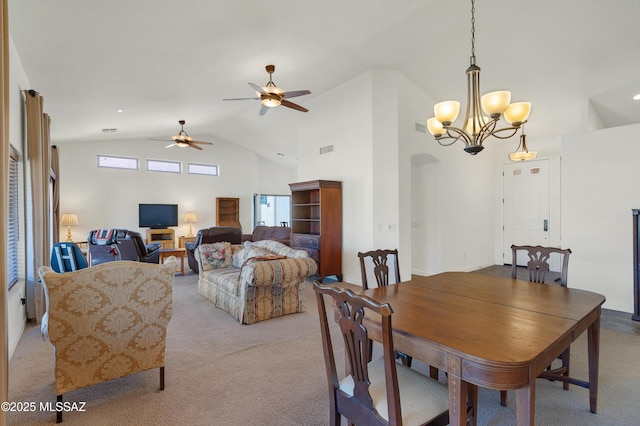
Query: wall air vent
{"type": "Point", "coordinates": [421, 128]}
{"type": "Point", "coordinates": [109, 130]}
{"type": "Point", "coordinates": [326, 149]}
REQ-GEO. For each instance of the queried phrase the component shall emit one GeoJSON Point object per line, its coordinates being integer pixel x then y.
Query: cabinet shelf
{"type": "Point", "coordinates": [228, 212]}
{"type": "Point", "coordinates": [316, 223]}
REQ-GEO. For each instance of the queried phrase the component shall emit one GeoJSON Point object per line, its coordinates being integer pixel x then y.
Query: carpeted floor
{"type": "Point", "coordinates": [220, 372]}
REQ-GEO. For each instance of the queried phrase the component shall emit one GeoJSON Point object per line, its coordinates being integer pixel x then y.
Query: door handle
{"type": "Point", "coordinates": [545, 226]}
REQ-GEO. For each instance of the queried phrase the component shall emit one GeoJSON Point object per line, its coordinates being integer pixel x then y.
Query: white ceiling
{"type": "Point", "coordinates": [162, 60]}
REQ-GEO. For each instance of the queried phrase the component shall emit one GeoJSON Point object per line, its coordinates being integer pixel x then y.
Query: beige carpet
{"type": "Point", "coordinates": [272, 373]}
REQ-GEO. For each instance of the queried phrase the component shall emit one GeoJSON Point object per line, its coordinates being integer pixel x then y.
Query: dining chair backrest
{"type": "Point", "coordinates": [380, 260]}
{"type": "Point", "coordinates": [539, 261]}
{"type": "Point", "coordinates": [370, 393]}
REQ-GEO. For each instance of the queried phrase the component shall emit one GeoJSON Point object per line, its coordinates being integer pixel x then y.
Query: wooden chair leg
{"type": "Point", "coordinates": [565, 363]}
{"type": "Point", "coordinates": [503, 398]}
{"type": "Point", "coordinates": [472, 405]}
{"type": "Point", "coordinates": [406, 359]}
{"type": "Point", "coordinates": [433, 372]}
{"type": "Point", "coordinates": [161, 378]}
{"type": "Point", "coordinates": [59, 411]}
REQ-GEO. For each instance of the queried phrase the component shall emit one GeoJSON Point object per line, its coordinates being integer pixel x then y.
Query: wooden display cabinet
{"type": "Point", "coordinates": [166, 237]}
{"type": "Point", "coordinates": [316, 223]}
{"type": "Point", "coordinates": [228, 212]}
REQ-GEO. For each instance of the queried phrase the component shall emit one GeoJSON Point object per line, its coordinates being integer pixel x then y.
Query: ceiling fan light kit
{"type": "Point", "coordinates": [183, 140]}
{"type": "Point", "coordinates": [271, 96]}
{"type": "Point", "coordinates": [482, 114]}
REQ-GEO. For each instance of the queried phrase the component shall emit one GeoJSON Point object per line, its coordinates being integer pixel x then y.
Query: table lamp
{"type": "Point", "coordinates": [69, 220]}
{"type": "Point", "coordinates": [190, 218]}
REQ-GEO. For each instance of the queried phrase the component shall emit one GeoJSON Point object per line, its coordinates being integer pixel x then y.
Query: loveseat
{"type": "Point", "coordinates": [278, 233]}
{"type": "Point", "coordinates": [214, 234]}
{"type": "Point", "coordinates": [131, 246]}
{"type": "Point", "coordinates": [254, 281]}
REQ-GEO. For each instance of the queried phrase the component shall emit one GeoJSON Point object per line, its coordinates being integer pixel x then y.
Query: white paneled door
{"type": "Point", "coordinates": [525, 206]}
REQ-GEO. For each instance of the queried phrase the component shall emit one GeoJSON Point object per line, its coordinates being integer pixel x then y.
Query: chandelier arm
{"type": "Point", "coordinates": [456, 136]}
{"type": "Point", "coordinates": [511, 129]}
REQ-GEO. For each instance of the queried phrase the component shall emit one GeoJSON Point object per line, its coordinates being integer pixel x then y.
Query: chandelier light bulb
{"type": "Point", "coordinates": [479, 122]}
{"type": "Point", "coordinates": [495, 103]}
{"type": "Point", "coordinates": [517, 113]}
{"type": "Point", "coordinates": [447, 111]}
{"type": "Point", "coordinates": [435, 127]}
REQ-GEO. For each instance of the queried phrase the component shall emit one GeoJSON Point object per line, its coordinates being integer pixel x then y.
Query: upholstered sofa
{"type": "Point", "coordinates": [107, 321]}
{"type": "Point", "coordinates": [131, 246]}
{"type": "Point", "coordinates": [278, 233]}
{"type": "Point", "coordinates": [254, 281]}
{"type": "Point", "coordinates": [214, 234]}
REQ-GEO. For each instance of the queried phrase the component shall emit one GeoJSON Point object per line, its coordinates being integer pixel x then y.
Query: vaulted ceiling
{"type": "Point", "coordinates": [161, 60]}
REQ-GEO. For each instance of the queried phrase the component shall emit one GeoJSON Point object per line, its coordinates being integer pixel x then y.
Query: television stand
{"type": "Point", "coordinates": [165, 236]}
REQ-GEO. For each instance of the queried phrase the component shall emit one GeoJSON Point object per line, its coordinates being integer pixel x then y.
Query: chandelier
{"type": "Point", "coordinates": [479, 123]}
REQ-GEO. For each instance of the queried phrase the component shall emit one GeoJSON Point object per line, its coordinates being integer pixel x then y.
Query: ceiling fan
{"type": "Point", "coordinates": [271, 96]}
{"type": "Point", "coordinates": [183, 140]}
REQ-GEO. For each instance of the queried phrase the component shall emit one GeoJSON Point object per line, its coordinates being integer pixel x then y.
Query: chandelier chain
{"type": "Point", "coordinates": [473, 30]}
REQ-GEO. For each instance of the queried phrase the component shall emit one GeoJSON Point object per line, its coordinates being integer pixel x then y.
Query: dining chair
{"type": "Point", "coordinates": [380, 260]}
{"type": "Point", "coordinates": [370, 393]}
{"type": "Point", "coordinates": [538, 264]}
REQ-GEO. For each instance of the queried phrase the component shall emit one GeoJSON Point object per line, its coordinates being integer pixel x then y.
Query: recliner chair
{"type": "Point", "coordinates": [131, 246]}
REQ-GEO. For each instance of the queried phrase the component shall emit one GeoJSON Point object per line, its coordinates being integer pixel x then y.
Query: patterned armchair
{"type": "Point", "coordinates": [107, 321]}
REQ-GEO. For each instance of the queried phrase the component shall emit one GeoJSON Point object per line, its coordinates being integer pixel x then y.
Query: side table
{"type": "Point", "coordinates": [177, 252]}
{"type": "Point", "coordinates": [182, 240]}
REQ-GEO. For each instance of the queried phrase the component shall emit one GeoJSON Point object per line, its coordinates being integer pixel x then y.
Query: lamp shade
{"type": "Point", "coordinates": [446, 112]}
{"type": "Point", "coordinates": [517, 113]}
{"type": "Point", "coordinates": [495, 102]}
{"type": "Point", "coordinates": [479, 123]}
{"type": "Point", "coordinates": [435, 127]}
{"type": "Point", "coordinates": [69, 219]}
{"type": "Point", "coordinates": [190, 217]}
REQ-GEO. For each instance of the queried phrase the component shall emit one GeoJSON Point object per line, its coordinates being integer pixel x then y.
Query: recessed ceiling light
{"type": "Point", "coordinates": [637, 97]}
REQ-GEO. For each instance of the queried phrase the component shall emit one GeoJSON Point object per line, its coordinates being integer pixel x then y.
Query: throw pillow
{"type": "Point", "coordinates": [238, 258]}
{"type": "Point", "coordinates": [215, 255]}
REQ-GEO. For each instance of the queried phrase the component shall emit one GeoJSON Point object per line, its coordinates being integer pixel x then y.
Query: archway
{"type": "Point", "coordinates": [425, 215]}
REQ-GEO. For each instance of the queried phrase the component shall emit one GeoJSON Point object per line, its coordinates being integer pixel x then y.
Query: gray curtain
{"type": "Point", "coordinates": [39, 165]}
{"type": "Point", "coordinates": [4, 204]}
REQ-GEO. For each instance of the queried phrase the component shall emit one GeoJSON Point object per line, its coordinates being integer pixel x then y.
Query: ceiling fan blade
{"type": "Point", "coordinates": [170, 145]}
{"type": "Point", "coordinates": [263, 110]}
{"type": "Point", "coordinates": [242, 99]}
{"type": "Point", "coordinates": [295, 93]}
{"type": "Point", "coordinates": [191, 145]}
{"type": "Point", "coordinates": [288, 104]}
{"type": "Point", "coordinates": [257, 88]}
{"type": "Point", "coordinates": [201, 143]}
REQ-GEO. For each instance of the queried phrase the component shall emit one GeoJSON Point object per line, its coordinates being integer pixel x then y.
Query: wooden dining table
{"type": "Point", "coordinates": [489, 331]}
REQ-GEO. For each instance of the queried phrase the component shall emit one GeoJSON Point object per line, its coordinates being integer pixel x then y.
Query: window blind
{"type": "Point", "coordinates": [13, 231]}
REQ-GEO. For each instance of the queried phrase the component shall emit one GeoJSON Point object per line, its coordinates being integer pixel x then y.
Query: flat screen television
{"type": "Point", "coordinates": [157, 216]}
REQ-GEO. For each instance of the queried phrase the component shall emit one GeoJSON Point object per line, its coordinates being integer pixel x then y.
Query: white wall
{"type": "Point", "coordinates": [370, 120]}
{"type": "Point", "coordinates": [549, 149]}
{"type": "Point", "coordinates": [600, 181]}
{"type": "Point", "coordinates": [103, 197]}
{"type": "Point", "coordinates": [342, 117]}
{"type": "Point", "coordinates": [465, 219]}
